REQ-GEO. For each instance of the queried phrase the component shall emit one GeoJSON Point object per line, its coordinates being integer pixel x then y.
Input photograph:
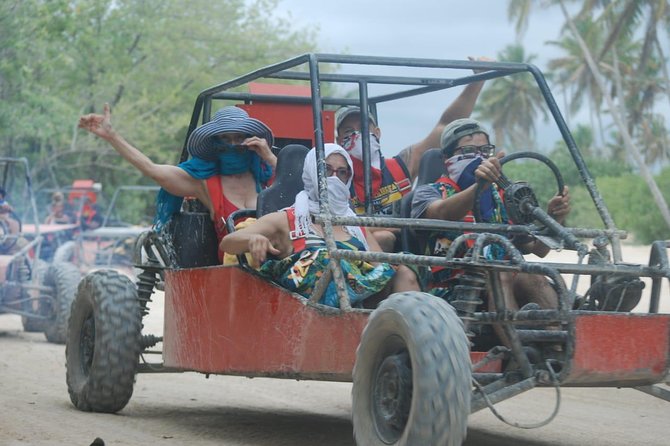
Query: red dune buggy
{"type": "Point", "coordinates": [419, 366]}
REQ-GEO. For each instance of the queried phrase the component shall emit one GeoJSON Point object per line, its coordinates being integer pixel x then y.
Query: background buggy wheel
{"type": "Point", "coordinates": [30, 324]}
{"type": "Point", "coordinates": [103, 344]}
{"type": "Point", "coordinates": [67, 252]}
{"type": "Point", "coordinates": [63, 279]}
{"type": "Point", "coordinates": [412, 378]}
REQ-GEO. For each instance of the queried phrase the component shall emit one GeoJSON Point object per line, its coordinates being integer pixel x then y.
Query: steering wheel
{"type": "Point", "coordinates": [519, 197]}
{"type": "Point", "coordinates": [521, 203]}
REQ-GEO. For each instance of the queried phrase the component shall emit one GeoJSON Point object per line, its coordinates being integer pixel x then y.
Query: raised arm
{"type": "Point", "coordinates": [171, 178]}
{"type": "Point", "coordinates": [461, 108]}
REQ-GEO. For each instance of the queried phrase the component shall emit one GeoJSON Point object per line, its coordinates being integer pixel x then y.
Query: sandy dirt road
{"type": "Point", "coordinates": [188, 409]}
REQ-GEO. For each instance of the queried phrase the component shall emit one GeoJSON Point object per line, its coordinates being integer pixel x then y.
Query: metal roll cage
{"type": "Point", "coordinates": [314, 69]}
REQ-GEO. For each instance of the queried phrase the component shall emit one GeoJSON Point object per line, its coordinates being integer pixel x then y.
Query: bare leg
{"type": "Point", "coordinates": [535, 288]}
{"type": "Point", "coordinates": [507, 282]}
{"type": "Point", "coordinates": [405, 280]}
{"type": "Point", "coordinates": [386, 237]}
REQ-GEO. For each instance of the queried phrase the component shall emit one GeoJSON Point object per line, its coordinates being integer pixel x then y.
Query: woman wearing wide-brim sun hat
{"type": "Point", "coordinates": [231, 162]}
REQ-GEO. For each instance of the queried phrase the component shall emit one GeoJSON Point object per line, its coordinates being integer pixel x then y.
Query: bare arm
{"type": "Point", "coordinates": [558, 208]}
{"type": "Point", "coordinates": [269, 234]}
{"type": "Point", "coordinates": [452, 208]}
{"type": "Point", "coordinates": [461, 108]}
{"type": "Point", "coordinates": [172, 178]}
{"type": "Point", "coordinates": [559, 205]}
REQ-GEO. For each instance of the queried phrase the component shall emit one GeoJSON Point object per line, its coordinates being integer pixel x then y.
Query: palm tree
{"type": "Point", "coordinates": [654, 140]}
{"type": "Point", "coordinates": [512, 103]}
{"type": "Point", "coordinates": [618, 116]}
{"type": "Point", "coordinates": [519, 11]}
{"type": "Point", "coordinates": [620, 18]}
{"type": "Point", "coordinates": [617, 25]}
{"type": "Point", "coordinates": [572, 72]}
{"type": "Point", "coordinates": [646, 62]}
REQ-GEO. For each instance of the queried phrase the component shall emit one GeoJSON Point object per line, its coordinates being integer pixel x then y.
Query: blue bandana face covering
{"type": "Point", "coordinates": [232, 162]}
{"type": "Point", "coordinates": [467, 178]}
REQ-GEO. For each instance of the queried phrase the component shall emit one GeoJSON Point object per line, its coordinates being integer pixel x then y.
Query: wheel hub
{"type": "Point", "coordinates": [520, 201]}
{"type": "Point", "coordinates": [392, 395]}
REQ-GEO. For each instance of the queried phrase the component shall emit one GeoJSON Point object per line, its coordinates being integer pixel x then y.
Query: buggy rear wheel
{"type": "Point", "coordinates": [63, 279]}
{"type": "Point", "coordinates": [31, 324]}
{"type": "Point", "coordinates": [412, 378]}
{"type": "Point", "coordinates": [104, 342]}
{"type": "Point", "coordinates": [67, 252]}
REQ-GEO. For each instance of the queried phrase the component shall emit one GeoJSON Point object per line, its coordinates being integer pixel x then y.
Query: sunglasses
{"type": "Point", "coordinates": [343, 173]}
{"type": "Point", "coordinates": [485, 151]}
{"type": "Point", "coordinates": [230, 142]}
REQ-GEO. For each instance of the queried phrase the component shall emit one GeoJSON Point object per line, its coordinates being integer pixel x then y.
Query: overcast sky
{"type": "Point", "coordinates": [442, 29]}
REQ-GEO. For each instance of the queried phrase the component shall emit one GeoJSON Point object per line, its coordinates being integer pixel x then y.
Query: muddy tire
{"type": "Point", "coordinates": [103, 344]}
{"type": "Point", "coordinates": [33, 325]}
{"type": "Point", "coordinates": [63, 278]}
{"type": "Point", "coordinates": [412, 379]}
{"type": "Point", "coordinates": [67, 252]}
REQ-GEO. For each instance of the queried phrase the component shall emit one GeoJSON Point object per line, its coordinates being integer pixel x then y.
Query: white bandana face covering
{"type": "Point", "coordinates": [353, 144]}
{"type": "Point", "coordinates": [307, 201]}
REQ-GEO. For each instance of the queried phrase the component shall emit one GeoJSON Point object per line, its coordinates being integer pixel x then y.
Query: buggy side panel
{"type": "Point", "coordinates": [619, 349]}
{"type": "Point", "coordinates": [230, 321]}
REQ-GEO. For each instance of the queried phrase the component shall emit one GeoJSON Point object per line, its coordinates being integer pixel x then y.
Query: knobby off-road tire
{"type": "Point", "coordinates": [412, 378]}
{"type": "Point", "coordinates": [67, 252]}
{"type": "Point", "coordinates": [63, 278]}
{"type": "Point", "coordinates": [103, 344]}
{"type": "Point", "coordinates": [33, 325]}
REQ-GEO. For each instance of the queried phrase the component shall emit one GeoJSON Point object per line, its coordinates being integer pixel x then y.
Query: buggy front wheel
{"type": "Point", "coordinates": [104, 342]}
{"type": "Point", "coordinates": [412, 378]}
{"type": "Point", "coordinates": [31, 324]}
